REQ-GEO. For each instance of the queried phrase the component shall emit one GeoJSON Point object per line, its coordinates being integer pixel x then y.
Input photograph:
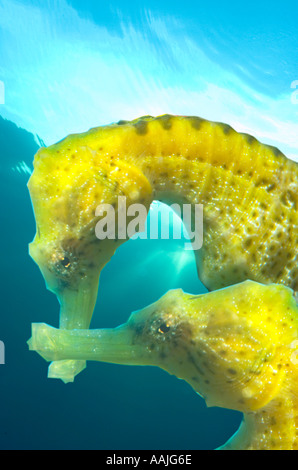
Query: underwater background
{"type": "Point", "coordinates": [67, 66]}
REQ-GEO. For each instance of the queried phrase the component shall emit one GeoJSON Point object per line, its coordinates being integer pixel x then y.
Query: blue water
{"type": "Point", "coordinates": [68, 66]}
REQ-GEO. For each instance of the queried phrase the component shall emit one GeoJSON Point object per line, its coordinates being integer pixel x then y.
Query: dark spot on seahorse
{"type": "Point", "coordinates": [247, 243]}
{"type": "Point", "coordinates": [271, 187]}
{"type": "Point", "coordinates": [95, 241]}
{"type": "Point", "coordinates": [223, 352]}
{"type": "Point", "coordinates": [207, 366]}
{"type": "Point", "coordinates": [165, 121]}
{"type": "Point", "coordinates": [162, 355]}
{"type": "Point", "coordinates": [122, 122]}
{"type": "Point", "coordinates": [139, 328]}
{"type": "Point", "coordinates": [261, 182]}
{"type": "Point", "coordinates": [146, 117]}
{"type": "Point", "coordinates": [65, 284]}
{"type": "Point", "coordinates": [276, 151]}
{"type": "Point", "coordinates": [226, 128]}
{"type": "Point", "coordinates": [192, 360]}
{"type": "Point", "coordinates": [249, 138]}
{"type": "Point", "coordinates": [195, 297]}
{"type": "Point", "coordinates": [141, 127]}
{"type": "Point", "coordinates": [196, 122]}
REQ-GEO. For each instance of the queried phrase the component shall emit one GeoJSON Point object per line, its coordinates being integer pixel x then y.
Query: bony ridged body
{"type": "Point", "coordinates": [236, 347]}
{"type": "Point", "coordinates": [249, 193]}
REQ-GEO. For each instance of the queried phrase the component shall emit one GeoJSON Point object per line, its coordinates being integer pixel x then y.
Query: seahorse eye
{"type": "Point", "coordinates": [164, 328]}
{"type": "Point", "coordinates": [65, 262]}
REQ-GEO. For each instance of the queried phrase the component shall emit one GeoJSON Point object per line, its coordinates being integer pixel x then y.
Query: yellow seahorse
{"type": "Point", "coordinates": [248, 190]}
{"type": "Point", "coordinates": [237, 347]}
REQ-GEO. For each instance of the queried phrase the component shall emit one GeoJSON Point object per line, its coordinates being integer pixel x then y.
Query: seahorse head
{"type": "Point", "coordinates": [232, 345]}
{"type": "Point", "coordinates": [237, 347]}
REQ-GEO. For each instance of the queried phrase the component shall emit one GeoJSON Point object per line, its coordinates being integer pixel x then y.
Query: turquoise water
{"type": "Point", "coordinates": [69, 66]}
